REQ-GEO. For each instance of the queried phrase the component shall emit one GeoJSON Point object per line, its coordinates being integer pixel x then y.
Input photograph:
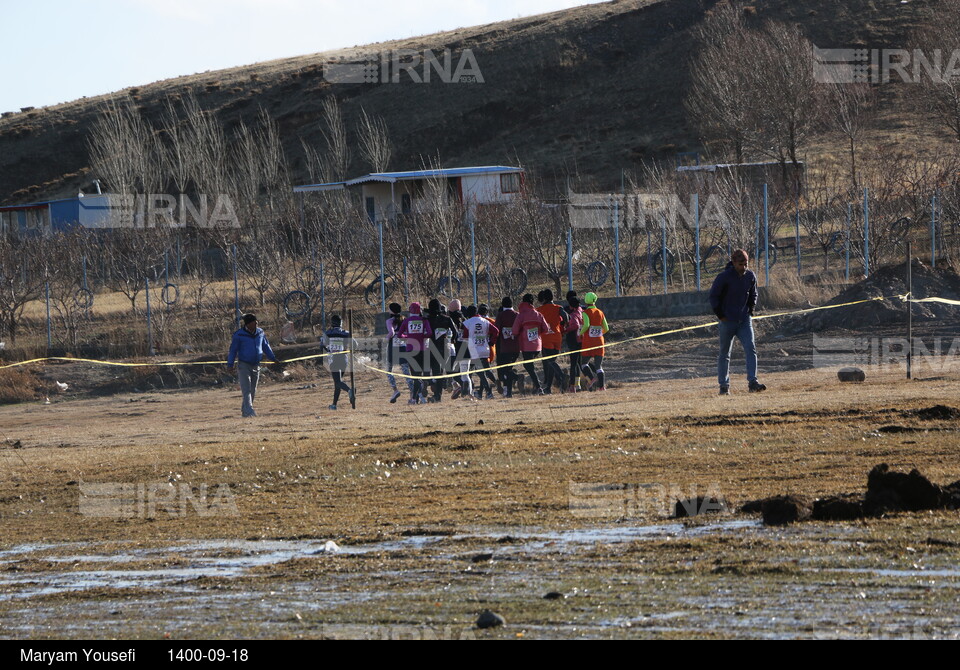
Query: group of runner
{"type": "Point", "coordinates": [445, 347]}
{"type": "Point", "coordinates": [440, 348]}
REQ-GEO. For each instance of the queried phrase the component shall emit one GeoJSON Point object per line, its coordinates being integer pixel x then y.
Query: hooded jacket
{"type": "Point", "coordinates": [415, 330]}
{"type": "Point", "coordinates": [249, 348]}
{"type": "Point", "coordinates": [529, 328]}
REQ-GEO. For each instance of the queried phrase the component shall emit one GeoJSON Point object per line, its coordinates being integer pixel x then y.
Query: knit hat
{"type": "Point", "coordinates": [590, 299]}
{"type": "Point", "coordinates": [415, 308]}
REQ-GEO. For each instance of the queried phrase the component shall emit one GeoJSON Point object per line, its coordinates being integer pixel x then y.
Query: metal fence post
{"type": "Point", "coordinates": [49, 328]}
{"type": "Point", "coordinates": [933, 231]}
{"type": "Point", "coordinates": [383, 277]}
{"type": "Point", "coordinates": [766, 236]}
{"type": "Point", "coordinates": [866, 232]}
{"type": "Point", "coordinates": [473, 257]}
{"type": "Point", "coordinates": [696, 223]}
{"type": "Point", "coordinates": [236, 288]}
{"type": "Point", "coordinates": [849, 223]}
{"type": "Point", "coordinates": [663, 253]}
{"type": "Point", "coordinates": [149, 322]}
{"type": "Point", "coordinates": [616, 246]}
{"type": "Point", "coordinates": [797, 224]}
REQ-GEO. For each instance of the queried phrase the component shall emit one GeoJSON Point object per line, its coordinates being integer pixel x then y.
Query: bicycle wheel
{"type": "Point", "coordinates": [597, 274]}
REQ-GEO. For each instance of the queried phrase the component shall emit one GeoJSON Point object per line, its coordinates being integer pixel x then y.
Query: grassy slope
{"type": "Point", "coordinates": [591, 90]}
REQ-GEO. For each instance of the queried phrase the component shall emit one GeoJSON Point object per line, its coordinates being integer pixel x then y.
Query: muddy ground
{"type": "Point", "coordinates": [217, 527]}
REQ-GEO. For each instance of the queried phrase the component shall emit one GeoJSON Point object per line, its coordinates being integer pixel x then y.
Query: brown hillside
{"type": "Point", "coordinates": [591, 91]}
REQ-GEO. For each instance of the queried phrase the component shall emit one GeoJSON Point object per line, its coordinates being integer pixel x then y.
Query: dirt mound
{"type": "Point", "coordinates": [887, 492]}
{"type": "Point", "coordinates": [888, 282]}
{"type": "Point", "coordinates": [937, 413]}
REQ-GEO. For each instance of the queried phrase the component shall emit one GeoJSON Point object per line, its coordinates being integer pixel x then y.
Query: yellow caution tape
{"type": "Point", "coordinates": [493, 367]}
{"type": "Point", "coordinates": [157, 364]}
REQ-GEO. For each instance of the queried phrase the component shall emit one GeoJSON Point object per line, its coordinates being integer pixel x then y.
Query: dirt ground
{"type": "Point", "coordinates": [442, 511]}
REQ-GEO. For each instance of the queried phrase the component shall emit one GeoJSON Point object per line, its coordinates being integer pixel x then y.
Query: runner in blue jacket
{"type": "Point", "coordinates": [249, 346]}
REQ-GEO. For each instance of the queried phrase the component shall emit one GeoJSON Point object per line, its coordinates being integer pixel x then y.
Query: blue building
{"type": "Point", "coordinates": [44, 218]}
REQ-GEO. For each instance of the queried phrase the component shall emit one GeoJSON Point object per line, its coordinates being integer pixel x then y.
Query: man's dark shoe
{"type": "Point", "coordinates": [757, 387]}
{"type": "Point", "coordinates": [724, 390]}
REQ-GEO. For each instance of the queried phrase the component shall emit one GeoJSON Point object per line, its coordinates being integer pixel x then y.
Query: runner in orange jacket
{"type": "Point", "coordinates": [593, 329]}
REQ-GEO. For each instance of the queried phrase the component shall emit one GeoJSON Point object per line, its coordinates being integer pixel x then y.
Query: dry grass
{"type": "Point", "coordinates": [301, 470]}
{"type": "Point", "coordinates": [18, 385]}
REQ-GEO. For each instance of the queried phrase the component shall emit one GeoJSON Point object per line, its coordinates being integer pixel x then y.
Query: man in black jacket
{"type": "Point", "coordinates": [733, 299]}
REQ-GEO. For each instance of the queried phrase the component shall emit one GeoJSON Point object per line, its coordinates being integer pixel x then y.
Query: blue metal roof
{"type": "Point", "coordinates": [35, 205]}
{"type": "Point", "coordinates": [393, 177]}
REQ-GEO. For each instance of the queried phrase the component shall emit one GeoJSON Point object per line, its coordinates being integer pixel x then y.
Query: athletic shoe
{"type": "Point", "coordinates": [757, 387]}
{"type": "Point", "coordinates": [456, 391]}
{"type": "Point", "coordinates": [332, 407]}
{"type": "Point", "coordinates": [724, 390]}
{"type": "Point", "coordinates": [396, 396]}
{"type": "Point", "coordinates": [573, 389]}
{"type": "Point", "coordinates": [541, 392]}
{"type": "Point", "coordinates": [490, 396]}
{"type": "Point", "coordinates": [423, 399]}
{"type": "Point", "coordinates": [602, 388]}
{"type": "Point", "coordinates": [590, 384]}
{"type": "Point", "coordinates": [412, 401]}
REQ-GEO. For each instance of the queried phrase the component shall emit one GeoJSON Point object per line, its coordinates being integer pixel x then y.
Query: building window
{"type": "Point", "coordinates": [510, 183]}
{"type": "Point", "coordinates": [406, 206]}
{"type": "Point", "coordinates": [372, 209]}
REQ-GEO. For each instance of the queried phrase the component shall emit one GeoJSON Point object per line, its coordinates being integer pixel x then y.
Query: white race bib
{"type": "Point", "coordinates": [480, 341]}
{"type": "Point", "coordinates": [399, 342]}
{"type": "Point", "coordinates": [596, 332]}
{"type": "Point", "coordinates": [440, 332]}
{"type": "Point", "coordinates": [533, 334]}
{"type": "Point", "coordinates": [335, 346]}
{"type": "Point", "coordinates": [415, 327]}
{"type": "Point", "coordinates": [508, 333]}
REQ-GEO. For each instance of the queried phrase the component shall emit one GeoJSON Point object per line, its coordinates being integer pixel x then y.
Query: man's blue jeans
{"type": "Point", "coordinates": [742, 330]}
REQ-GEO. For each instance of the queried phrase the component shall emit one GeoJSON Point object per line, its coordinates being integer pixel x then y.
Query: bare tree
{"type": "Point", "coordinates": [374, 141]}
{"type": "Point", "coordinates": [851, 108]}
{"type": "Point", "coordinates": [124, 149]}
{"type": "Point", "coordinates": [21, 281]}
{"type": "Point", "coordinates": [337, 157]}
{"type": "Point", "coordinates": [721, 97]}
{"type": "Point", "coordinates": [940, 40]}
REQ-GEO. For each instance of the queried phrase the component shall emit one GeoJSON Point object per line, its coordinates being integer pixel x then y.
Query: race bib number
{"type": "Point", "coordinates": [480, 341]}
{"type": "Point", "coordinates": [399, 342]}
{"type": "Point", "coordinates": [335, 346]}
{"type": "Point", "coordinates": [508, 333]}
{"type": "Point", "coordinates": [595, 332]}
{"type": "Point", "coordinates": [533, 334]}
{"type": "Point", "coordinates": [415, 327]}
{"type": "Point", "coordinates": [440, 332]}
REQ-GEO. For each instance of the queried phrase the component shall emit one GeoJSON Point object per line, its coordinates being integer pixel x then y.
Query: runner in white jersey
{"type": "Point", "coordinates": [478, 332]}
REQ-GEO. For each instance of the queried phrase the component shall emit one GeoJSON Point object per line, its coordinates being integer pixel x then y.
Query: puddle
{"type": "Point", "coordinates": [197, 583]}
{"type": "Point", "coordinates": [234, 558]}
